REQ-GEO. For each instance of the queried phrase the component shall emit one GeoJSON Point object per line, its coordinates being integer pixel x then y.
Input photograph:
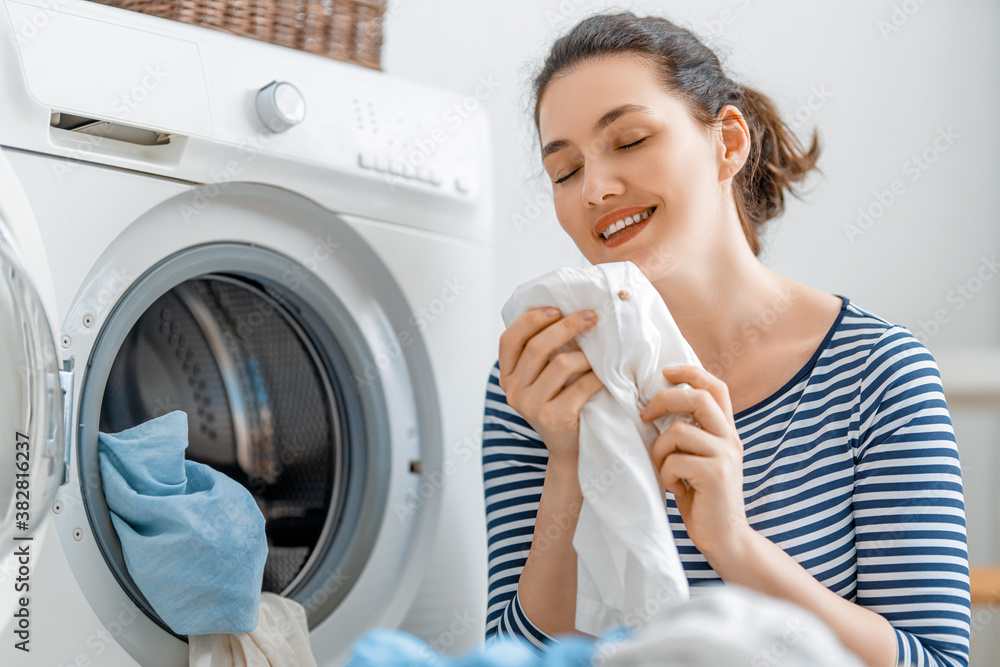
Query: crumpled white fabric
{"type": "Point", "coordinates": [729, 625]}
{"type": "Point", "coordinates": [281, 639]}
{"type": "Point", "coordinates": [626, 555]}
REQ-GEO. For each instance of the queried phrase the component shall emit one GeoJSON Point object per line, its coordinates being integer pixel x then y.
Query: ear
{"type": "Point", "coordinates": [733, 136]}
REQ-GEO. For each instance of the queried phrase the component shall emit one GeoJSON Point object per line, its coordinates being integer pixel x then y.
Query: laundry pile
{"type": "Point", "coordinates": [726, 625]}
{"type": "Point", "coordinates": [193, 541]}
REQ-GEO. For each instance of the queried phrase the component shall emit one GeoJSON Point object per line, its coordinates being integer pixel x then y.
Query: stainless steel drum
{"type": "Point", "coordinates": [259, 401]}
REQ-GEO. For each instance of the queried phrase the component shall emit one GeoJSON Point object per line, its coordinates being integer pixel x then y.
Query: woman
{"type": "Point", "coordinates": [825, 469]}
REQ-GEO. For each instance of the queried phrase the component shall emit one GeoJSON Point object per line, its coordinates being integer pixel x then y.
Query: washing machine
{"type": "Point", "coordinates": [292, 250]}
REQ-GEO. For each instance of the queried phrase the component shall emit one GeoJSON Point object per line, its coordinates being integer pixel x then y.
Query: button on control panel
{"type": "Point", "coordinates": [397, 166]}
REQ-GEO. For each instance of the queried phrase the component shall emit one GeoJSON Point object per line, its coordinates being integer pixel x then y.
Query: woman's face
{"type": "Point", "coordinates": [620, 150]}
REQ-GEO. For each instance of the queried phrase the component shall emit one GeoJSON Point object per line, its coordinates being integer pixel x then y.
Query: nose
{"type": "Point", "coordinates": [599, 184]}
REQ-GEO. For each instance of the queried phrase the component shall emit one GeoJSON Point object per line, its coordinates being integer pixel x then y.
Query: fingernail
{"type": "Point", "coordinates": [589, 316]}
{"type": "Point", "coordinates": [671, 369]}
{"type": "Point", "coordinates": [551, 312]}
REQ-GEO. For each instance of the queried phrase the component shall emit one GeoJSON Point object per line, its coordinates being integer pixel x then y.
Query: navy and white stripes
{"type": "Point", "coordinates": [851, 468]}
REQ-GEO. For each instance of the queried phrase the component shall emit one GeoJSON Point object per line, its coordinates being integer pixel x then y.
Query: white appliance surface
{"type": "Point", "coordinates": [134, 160]}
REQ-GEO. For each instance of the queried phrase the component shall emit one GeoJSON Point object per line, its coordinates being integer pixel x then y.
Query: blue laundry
{"type": "Point", "coordinates": [192, 538]}
{"type": "Point", "coordinates": [394, 648]}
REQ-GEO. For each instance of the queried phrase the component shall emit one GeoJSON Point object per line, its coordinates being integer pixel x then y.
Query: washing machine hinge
{"type": "Point", "coordinates": [66, 383]}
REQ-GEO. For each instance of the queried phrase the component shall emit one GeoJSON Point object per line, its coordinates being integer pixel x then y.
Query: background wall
{"type": "Point", "coordinates": [904, 220]}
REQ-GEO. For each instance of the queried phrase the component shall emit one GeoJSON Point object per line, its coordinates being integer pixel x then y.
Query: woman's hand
{"type": "Point", "coordinates": [537, 360]}
{"type": "Point", "coordinates": [702, 467]}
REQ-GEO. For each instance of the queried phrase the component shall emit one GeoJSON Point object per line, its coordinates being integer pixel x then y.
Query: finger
{"type": "Point", "coordinates": [519, 332]}
{"type": "Point", "coordinates": [578, 392]}
{"type": "Point", "coordinates": [561, 367]}
{"type": "Point", "coordinates": [699, 378]}
{"type": "Point", "coordinates": [681, 472]}
{"type": "Point", "coordinates": [686, 399]}
{"type": "Point", "coordinates": [537, 350]}
{"type": "Point", "coordinates": [685, 438]}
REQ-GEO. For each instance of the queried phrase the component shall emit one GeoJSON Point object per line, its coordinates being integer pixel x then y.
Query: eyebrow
{"type": "Point", "coordinates": [602, 122]}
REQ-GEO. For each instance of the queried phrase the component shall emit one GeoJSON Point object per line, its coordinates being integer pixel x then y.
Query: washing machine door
{"type": "Point", "coordinates": [31, 404]}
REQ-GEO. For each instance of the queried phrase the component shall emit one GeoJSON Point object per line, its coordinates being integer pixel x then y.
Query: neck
{"type": "Point", "coordinates": [725, 303]}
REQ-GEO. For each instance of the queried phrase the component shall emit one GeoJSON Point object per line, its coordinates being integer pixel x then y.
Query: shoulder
{"type": "Point", "coordinates": [871, 345]}
{"type": "Point", "coordinates": [892, 353]}
{"type": "Point", "coordinates": [899, 383]}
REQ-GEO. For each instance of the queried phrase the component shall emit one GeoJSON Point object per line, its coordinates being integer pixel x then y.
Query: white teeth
{"type": "Point", "coordinates": [626, 221]}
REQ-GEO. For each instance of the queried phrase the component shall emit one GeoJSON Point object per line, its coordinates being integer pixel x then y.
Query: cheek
{"type": "Point", "coordinates": [567, 212]}
{"type": "Point", "coordinates": [647, 173]}
{"type": "Point", "coordinates": [680, 182]}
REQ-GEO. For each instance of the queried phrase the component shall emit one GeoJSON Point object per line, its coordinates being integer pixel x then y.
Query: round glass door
{"type": "Point", "coordinates": [31, 414]}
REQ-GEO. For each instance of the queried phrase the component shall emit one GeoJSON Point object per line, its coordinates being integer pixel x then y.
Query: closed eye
{"type": "Point", "coordinates": [566, 177]}
{"type": "Point", "coordinates": [632, 145]}
{"type": "Point", "coordinates": [621, 148]}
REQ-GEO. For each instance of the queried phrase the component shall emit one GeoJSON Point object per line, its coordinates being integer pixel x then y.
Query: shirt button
{"type": "Point", "coordinates": [623, 295]}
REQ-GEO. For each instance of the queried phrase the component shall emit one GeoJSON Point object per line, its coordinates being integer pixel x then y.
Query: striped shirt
{"type": "Point", "coordinates": [851, 468]}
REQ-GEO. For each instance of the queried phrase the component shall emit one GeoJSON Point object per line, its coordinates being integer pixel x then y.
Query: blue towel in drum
{"type": "Point", "coordinates": [193, 539]}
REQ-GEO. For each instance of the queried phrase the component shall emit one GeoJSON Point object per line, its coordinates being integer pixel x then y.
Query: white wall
{"type": "Point", "coordinates": [894, 75]}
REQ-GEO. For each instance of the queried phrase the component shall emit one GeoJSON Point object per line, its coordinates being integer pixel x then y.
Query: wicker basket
{"type": "Point", "coordinates": [349, 30]}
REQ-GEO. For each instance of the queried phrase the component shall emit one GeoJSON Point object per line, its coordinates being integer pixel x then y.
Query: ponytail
{"type": "Point", "coordinates": [777, 162]}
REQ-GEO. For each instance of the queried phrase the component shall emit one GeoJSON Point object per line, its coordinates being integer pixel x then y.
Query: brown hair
{"type": "Point", "coordinates": [692, 71]}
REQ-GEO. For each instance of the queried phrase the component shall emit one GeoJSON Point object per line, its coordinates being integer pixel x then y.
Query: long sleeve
{"type": "Point", "coordinates": [909, 512]}
{"type": "Point", "coordinates": [514, 460]}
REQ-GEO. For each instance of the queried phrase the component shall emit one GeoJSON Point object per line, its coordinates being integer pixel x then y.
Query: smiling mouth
{"type": "Point", "coordinates": [617, 228]}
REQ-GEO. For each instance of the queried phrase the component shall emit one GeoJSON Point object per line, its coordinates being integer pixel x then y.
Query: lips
{"type": "Point", "coordinates": [620, 219]}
